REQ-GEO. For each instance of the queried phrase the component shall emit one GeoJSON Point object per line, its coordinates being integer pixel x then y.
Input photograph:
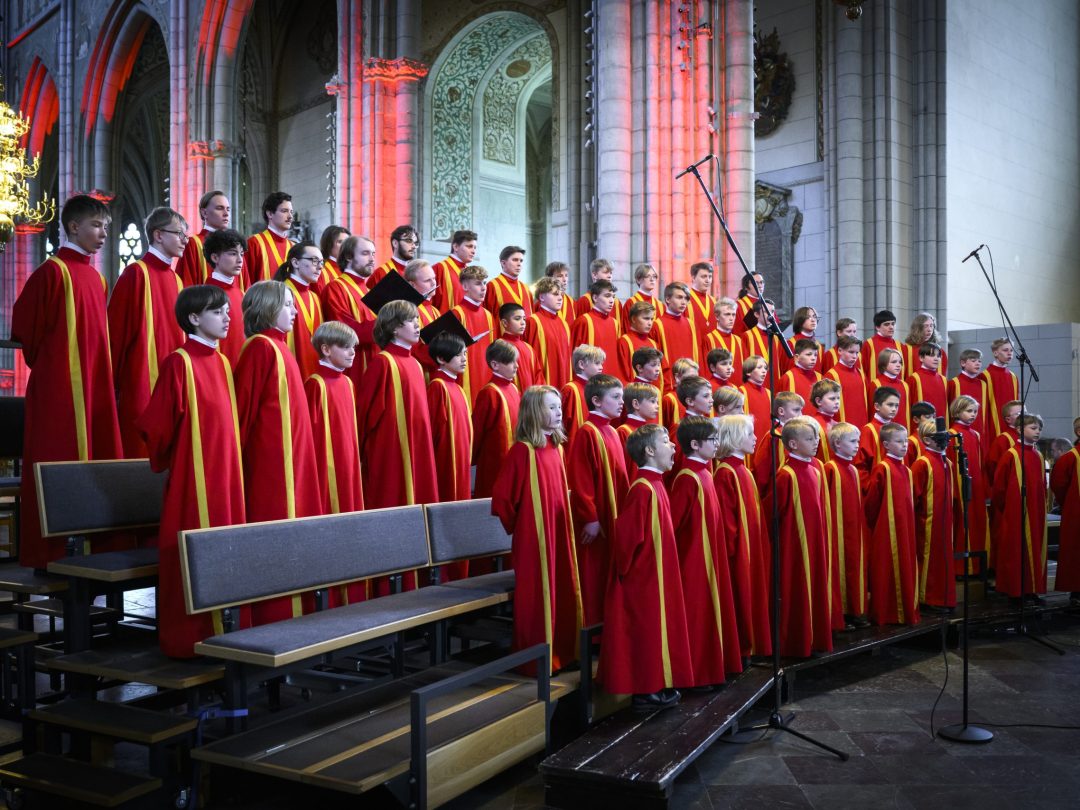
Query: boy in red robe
{"type": "Point", "coordinates": [531, 501]}
{"type": "Point", "coordinates": [642, 407]}
{"type": "Point", "coordinates": [890, 517]}
{"type": "Point", "coordinates": [599, 270]}
{"type": "Point", "coordinates": [343, 299]}
{"type": "Point", "coordinates": [451, 418]}
{"type": "Point", "coordinates": [848, 519]}
{"type": "Point", "coordinates": [639, 318]}
{"type": "Point", "coordinates": [588, 361]}
{"type": "Point", "coordinates": [727, 401]}
{"type": "Point", "coordinates": [702, 305]}
{"type": "Point", "coordinates": [703, 557]}
{"type": "Point", "coordinates": [480, 324]}
{"type": "Point", "coordinates": [890, 369]}
{"type": "Point", "coordinates": [1020, 539]}
{"type": "Point", "coordinates": [647, 279]}
{"type": "Point", "coordinates": [675, 334]}
{"type": "Point", "coordinates": [331, 402]}
{"type": "Point", "coordinates": [596, 472]}
{"type": "Point", "coordinates": [224, 257]}
{"type": "Point", "coordinates": [756, 395]}
{"type": "Point", "coordinates": [787, 406]}
{"type": "Point", "coordinates": [721, 369]}
{"type": "Point", "coordinates": [926, 383]}
{"type": "Point", "coordinates": [647, 364]}
{"type": "Point", "coordinates": [1065, 483]}
{"type": "Point", "coordinates": [560, 274]}
{"type": "Point", "coordinates": [190, 429]}
{"type": "Point", "coordinates": [823, 407]}
{"type": "Point", "coordinates": [748, 297]}
{"type": "Point", "coordinates": [300, 273]}
{"type": "Point", "coordinates": [597, 327]}
{"type": "Point", "coordinates": [758, 341]}
{"type": "Point", "coordinates": [845, 327]}
{"type": "Point", "coordinates": [803, 327]}
{"type": "Point", "coordinates": [333, 237]}
{"type": "Point", "coordinates": [142, 323]}
{"type": "Point", "coordinates": [549, 334]}
{"type": "Point", "coordinates": [494, 416]}
{"type": "Point", "coordinates": [801, 377]}
{"type": "Point", "coordinates": [268, 249]}
{"type": "Point", "coordinates": [60, 320]}
{"type": "Point", "coordinates": [512, 321]}
{"type": "Point", "coordinates": [723, 336]}
{"type": "Point", "coordinates": [1001, 386]}
{"type": "Point", "coordinates": [448, 292]}
{"type": "Point", "coordinates": [672, 409]}
{"type": "Point", "coordinates": [882, 339]}
{"type": "Point", "coordinates": [646, 649]}
{"type": "Point", "coordinates": [194, 266]}
{"type": "Point", "coordinates": [806, 602]}
{"type": "Point", "coordinates": [848, 373]}
{"type": "Point", "coordinates": [742, 532]}
{"type": "Point", "coordinates": [1006, 439]}
{"type": "Point", "coordinates": [507, 287]}
{"type": "Point", "coordinates": [964, 412]}
{"type": "Point", "coordinates": [886, 403]}
{"type": "Point", "coordinates": [969, 382]}
{"type": "Point", "coordinates": [932, 478]}
{"type": "Point", "coordinates": [280, 477]}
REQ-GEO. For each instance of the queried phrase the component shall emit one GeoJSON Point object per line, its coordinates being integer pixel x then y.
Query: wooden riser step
{"type": "Point", "coordinates": [54, 609]}
{"type": "Point", "coordinates": [72, 779]}
{"type": "Point", "coordinates": [16, 579]}
{"type": "Point", "coordinates": [10, 637]}
{"type": "Point", "coordinates": [139, 663]}
{"type": "Point", "coordinates": [115, 720]}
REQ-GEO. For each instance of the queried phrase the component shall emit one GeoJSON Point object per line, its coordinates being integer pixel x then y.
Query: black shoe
{"type": "Point", "coordinates": [860, 621]}
{"type": "Point", "coordinates": [934, 610]}
{"type": "Point", "coordinates": [654, 701]}
{"type": "Point", "coordinates": [1033, 600]}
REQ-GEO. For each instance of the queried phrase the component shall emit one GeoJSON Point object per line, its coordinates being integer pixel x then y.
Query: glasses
{"type": "Point", "coordinates": [181, 234]}
{"type": "Point", "coordinates": [312, 259]}
{"type": "Point", "coordinates": [409, 240]}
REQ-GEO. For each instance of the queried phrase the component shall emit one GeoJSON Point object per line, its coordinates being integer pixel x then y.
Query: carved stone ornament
{"type": "Point", "coordinates": [774, 83]}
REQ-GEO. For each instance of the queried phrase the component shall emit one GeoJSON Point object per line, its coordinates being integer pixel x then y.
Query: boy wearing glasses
{"type": "Point", "coordinates": [142, 325]}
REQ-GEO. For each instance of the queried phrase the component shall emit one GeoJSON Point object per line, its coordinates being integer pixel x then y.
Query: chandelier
{"type": "Point", "coordinates": [15, 171]}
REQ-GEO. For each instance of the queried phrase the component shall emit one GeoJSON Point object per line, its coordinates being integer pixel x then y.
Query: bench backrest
{"type": "Point", "coordinates": [85, 497]}
{"type": "Point", "coordinates": [460, 530]}
{"type": "Point", "coordinates": [233, 565]}
{"type": "Point", "coordinates": [12, 424]}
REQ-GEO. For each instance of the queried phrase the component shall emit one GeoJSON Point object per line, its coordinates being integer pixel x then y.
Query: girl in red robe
{"type": "Point", "coordinates": [494, 417]}
{"type": "Point", "coordinates": [703, 557]}
{"type": "Point", "coordinates": [332, 403]}
{"type": "Point", "coordinates": [142, 323]}
{"type": "Point", "coordinates": [741, 528]}
{"type": "Point", "coordinates": [190, 428]}
{"type": "Point", "coordinates": [596, 471]}
{"type": "Point", "coordinates": [1021, 539]}
{"type": "Point", "coordinates": [932, 479]}
{"type": "Point", "coordinates": [757, 398]}
{"type": "Point", "coordinates": [848, 520]}
{"type": "Point", "coordinates": [964, 411]}
{"type": "Point", "coordinates": [1065, 483]}
{"type": "Point", "coordinates": [646, 649]}
{"type": "Point", "coordinates": [300, 273]}
{"type": "Point", "coordinates": [531, 501]}
{"type": "Point", "coordinates": [890, 516]}
{"type": "Point", "coordinates": [280, 478]}
{"type": "Point", "coordinates": [59, 318]}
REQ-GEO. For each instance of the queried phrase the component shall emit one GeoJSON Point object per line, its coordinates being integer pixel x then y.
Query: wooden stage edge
{"type": "Point", "coordinates": [632, 760]}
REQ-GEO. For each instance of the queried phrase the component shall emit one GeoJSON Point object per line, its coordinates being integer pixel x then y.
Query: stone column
{"type": "Point", "coordinates": [614, 116]}
{"type": "Point", "coordinates": [738, 129]}
{"type": "Point", "coordinates": [19, 263]}
{"type": "Point", "coordinates": [183, 178]}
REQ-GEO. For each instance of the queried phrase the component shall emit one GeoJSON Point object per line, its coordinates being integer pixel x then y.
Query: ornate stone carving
{"type": "Point", "coordinates": [208, 150]}
{"type": "Point", "coordinates": [502, 94]}
{"type": "Point", "coordinates": [322, 39]}
{"type": "Point", "coordinates": [774, 83]}
{"type": "Point", "coordinates": [403, 68]}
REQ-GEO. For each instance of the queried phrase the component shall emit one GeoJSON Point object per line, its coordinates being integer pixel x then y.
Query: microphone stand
{"type": "Point", "coordinates": [964, 732]}
{"type": "Point", "coordinates": [776, 719]}
{"type": "Point", "coordinates": [1025, 362]}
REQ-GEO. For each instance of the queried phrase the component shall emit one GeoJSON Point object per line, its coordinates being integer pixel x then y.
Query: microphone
{"type": "Point", "coordinates": [973, 253]}
{"type": "Point", "coordinates": [689, 169]}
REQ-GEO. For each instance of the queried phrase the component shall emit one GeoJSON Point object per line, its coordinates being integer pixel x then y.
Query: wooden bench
{"type": "Point", "coordinates": [12, 431]}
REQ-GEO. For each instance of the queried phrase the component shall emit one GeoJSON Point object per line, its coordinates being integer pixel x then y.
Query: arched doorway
{"type": "Point", "coordinates": [490, 123]}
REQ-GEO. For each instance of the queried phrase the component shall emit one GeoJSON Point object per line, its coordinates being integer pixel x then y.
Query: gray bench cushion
{"type": "Point", "coordinates": [498, 582]}
{"type": "Point", "coordinates": [232, 565]}
{"type": "Point", "coordinates": [83, 497]}
{"type": "Point", "coordinates": [460, 530]}
{"type": "Point", "coordinates": [329, 630]}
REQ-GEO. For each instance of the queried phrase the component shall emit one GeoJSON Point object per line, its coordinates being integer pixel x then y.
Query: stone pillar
{"type": "Point", "coordinates": [183, 178]}
{"type": "Point", "coordinates": [738, 129]}
{"type": "Point", "coordinates": [19, 263]}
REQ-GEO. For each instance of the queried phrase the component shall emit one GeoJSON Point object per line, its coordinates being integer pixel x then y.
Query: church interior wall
{"type": "Point", "coordinates": [1013, 158]}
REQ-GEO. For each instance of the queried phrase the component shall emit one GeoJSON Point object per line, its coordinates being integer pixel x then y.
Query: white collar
{"type": "Point", "coordinates": [502, 376]}
{"type": "Point", "coordinates": [402, 345]}
{"type": "Point", "coordinates": [738, 454]}
{"type": "Point", "coordinates": [883, 421]}
{"type": "Point", "coordinates": [546, 308]}
{"type": "Point", "coordinates": [213, 344]}
{"type": "Point", "coordinates": [840, 360]}
{"type": "Point", "coordinates": [448, 373]}
{"type": "Point", "coordinates": [673, 315]}
{"type": "Point", "coordinates": [153, 251]}
{"type": "Point", "coordinates": [635, 417]}
{"type": "Point", "coordinates": [841, 455]}
{"type": "Point", "coordinates": [352, 272]}
{"type": "Point", "coordinates": [970, 376]}
{"type": "Point", "coordinates": [474, 301]}
{"type": "Point", "coordinates": [800, 458]}
{"type": "Point", "coordinates": [282, 234]}
{"type": "Point", "coordinates": [224, 279]}
{"type": "Point", "coordinates": [999, 365]}
{"type": "Point", "coordinates": [295, 279]}
{"type": "Point", "coordinates": [75, 247]}
{"type": "Point", "coordinates": [328, 364]}
{"type": "Point", "coordinates": [652, 469]}
{"type": "Point", "coordinates": [898, 458]}
{"type": "Point", "coordinates": [698, 458]}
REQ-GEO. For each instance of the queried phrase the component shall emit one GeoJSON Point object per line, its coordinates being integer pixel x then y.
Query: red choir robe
{"type": "Point", "coordinates": [874, 346]}
{"type": "Point", "coordinates": [494, 416]}
{"type": "Point", "coordinates": [719, 382]}
{"type": "Point", "coordinates": [975, 387]}
{"type": "Point", "coordinates": [479, 323]}
{"type": "Point", "coordinates": [831, 358]}
{"type": "Point", "coordinates": [566, 311]}
{"type": "Point", "coordinates": [584, 304]}
{"type": "Point", "coordinates": [825, 423]}
{"type": "Point", "coordinates": [890, 518]}
{"type": "Point", "coordinates": [1015, 550]}
{"type": "Point", "coordinates": [932, 481]}
{"type": "Point", "coordinates": [331, 270]}
{"type": "Point", "coordinates": [756, 341]}
{"type": "Point", "coordinates": [742, 532]}
{"type": "Point", "coordinates": [448, 292]}
{"type": "Point", "coordinates": [637, 298]}
{"type": "Point", "coordinates": [192, 267]}
{"type": "Point", "coordinates": [928, 386]}
{"type": "Point", "coordinates": [1001, 386]}
{"type": "Point", "coordinates": [596, 473]}
{"type": "Point", "coordinates": [1065, 484]}
{"type": "Point", "coordinates": [671, 410]}
{"type": "Point", "coordinates": [233, 343]}
{"type": "Point", "coordinates": [711, 622]}
{"type": "Point", "coordinates": [549, 335]}
{"type": "Point", "coordinates": [761, 464]}
{"type": "Point", "coordinates": [280, 474]}
{"type": "Point", "coordinates": [530, 499]}
{"type": "Point", "coordinates": [799, 380]}
{"type": "Point", "coordinates": [331, 400]}
{"type": "Point", "coordinates": [745, 305]}
{"type": "Point", "coordinates": [380, 272]}
{"type": "Point", "coordinates": [505, 290]}
{"type": "Point", "coordinates": [308, 318]}
{"type": "Point", "coordinates": [702, 311]}
{"type": "Point", "coordinates": [915, 449]}
{"type": "Point", "coordinates": [452, 439]}
{"type": "Point", "coordinates": [911, 358]}
{"type": "Point", "coordinates": [632, 423]}
{"type": "Point", "coordinates": [190, 428]}
{"type": "Point", "coordinates": [903, 413]}
{"type": "Point", "coordinates": [806, 606]}
{"type": "Point", "coordinates": [646, 642]}
{"type": "Point", "coordinates": [757, 402]}
{"type": "Point", "coordinates": [852, 393]}
{"type": "Point", "coordinates": [716, 339]}
{"type": "Point", "coordinates": [529, 372]}
{"type": "Point", "coordinates": [265, 253]}
{"type": "Point", "coordinates": [342, 300]}
{"type": "Point", "coordinates": [849, 527]}
{"type": "Point", "coordinates": [624, 352]}
{"type": "Point", "coordinates": [977, 537]}
{"type": "Point", "coordinates": [574, 407]}
{"type": "Point", "coordinates": [819, 366]}
{"type": "Point", "coordinates": [1002, 444]}
{"type": "Point", "coordinates": [870, 449]}
{"type": "Point", "coordinates": [59, 318]}
{"type": "Point", "coordinates": [594, 329]}
{"type": "Point", "coordinates": [676, 338]}
{"type": "Point", "coordinates": [142, 332]}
